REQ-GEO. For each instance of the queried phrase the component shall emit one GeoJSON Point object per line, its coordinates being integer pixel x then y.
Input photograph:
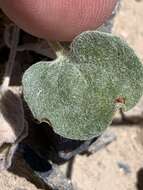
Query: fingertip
{"type": "Point", "coordinates": [58, 20]}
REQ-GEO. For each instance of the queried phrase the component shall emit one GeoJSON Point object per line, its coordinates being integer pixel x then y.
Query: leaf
{"type": "Point", "coordinates": [79, 92]}
{"type": "Point", "coordinates": [12, 128]}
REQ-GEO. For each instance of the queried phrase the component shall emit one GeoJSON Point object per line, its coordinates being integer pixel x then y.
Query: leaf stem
{"type": "Point", "coordinates": [11, 59]}
{"type": "Point", "coordinates": [58, 48]}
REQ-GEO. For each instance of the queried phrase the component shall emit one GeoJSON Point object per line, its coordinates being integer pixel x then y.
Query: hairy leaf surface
{"type": "Point", "coordinates": [79, 92]}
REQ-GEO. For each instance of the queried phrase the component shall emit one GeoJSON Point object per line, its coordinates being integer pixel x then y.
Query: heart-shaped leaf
{"type": "Point", "coordinates": [79, 91]}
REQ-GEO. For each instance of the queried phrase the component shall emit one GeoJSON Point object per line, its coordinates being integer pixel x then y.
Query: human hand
{"type": "Point", "coordinates": [58, 20]}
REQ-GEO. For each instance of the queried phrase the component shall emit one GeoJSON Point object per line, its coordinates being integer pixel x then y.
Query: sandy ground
{"type": "Point", "coordinates": [101, 171]}
{"type": "Point", "coordinates": [120, 165]}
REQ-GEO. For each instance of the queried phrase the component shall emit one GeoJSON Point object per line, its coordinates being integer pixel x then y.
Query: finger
{"type": "Point", "coordinates": [57, 20]}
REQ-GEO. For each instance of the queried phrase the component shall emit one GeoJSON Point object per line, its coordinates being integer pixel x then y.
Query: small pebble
{"type": "Point", "coordinates": [125, 167]}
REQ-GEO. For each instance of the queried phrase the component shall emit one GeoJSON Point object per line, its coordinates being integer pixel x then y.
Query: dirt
{"type": "Point", "coordinates": [119, 166]}
{"type": "Point", "coordinates": [128, 24]}
{"type": "Point", "coordinates": [102, 171]}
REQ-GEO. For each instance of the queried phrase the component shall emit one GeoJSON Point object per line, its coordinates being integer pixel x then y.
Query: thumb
{"type": "Point", "coordinates": [57, 20]}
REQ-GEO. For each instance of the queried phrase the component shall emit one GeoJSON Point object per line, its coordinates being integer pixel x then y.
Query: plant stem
{"type": "Point", "coordinates": [11, 59]}
{"type": "Point", "coordinates": [58, 48]}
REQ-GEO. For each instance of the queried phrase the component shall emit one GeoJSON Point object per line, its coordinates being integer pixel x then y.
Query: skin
{"type": "Point", "coordinates": [58, 20]}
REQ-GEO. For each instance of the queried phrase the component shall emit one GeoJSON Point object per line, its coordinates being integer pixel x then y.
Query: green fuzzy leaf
{"type": "Point", "coordinates": [79, 92]}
